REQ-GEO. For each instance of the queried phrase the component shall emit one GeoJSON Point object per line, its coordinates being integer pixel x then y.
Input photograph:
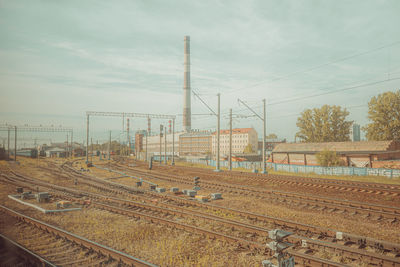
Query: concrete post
{"type": "Point", "coordinates": [91, 143]}
{"type": "Point", "coordinates": [230, 139]}
{"type": "Point", "coordinates": [109, 147]}
{"type": "Point", "coordinates": [72, 144]}
{"type": "Point", "coordinates": [87, 138]}
{"type": "Point", "coordinates": [161, 128]}
{"type": "Point", "coordinates": [264, 170]}
{"type": "Point", "coordinates": [146, 144]}
{"type": "Point", "coordinates": [218, 134]}
{"type": "Point", "coordinates": [165, 147]}
{"type": "Point", "coordinates": [15, 144]}
{"type": "Point", "coordinates": [8, 145]}
{"type": "Point", "coordinates": [67, 148]}
{"type": "Point", "coordinates": [173, 142]}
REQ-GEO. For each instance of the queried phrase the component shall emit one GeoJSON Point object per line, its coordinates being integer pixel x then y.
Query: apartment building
{"type": "Point", "coordinates": [241, 138]}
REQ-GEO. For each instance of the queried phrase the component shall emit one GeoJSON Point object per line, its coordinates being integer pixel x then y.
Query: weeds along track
{"type": "Point", "coordinates": [245, 235]}
{"type": "Point", "coordinates": [58, 246]}
{"type": "Point", "coordinates": [336, 184]}
{"type": "Point", "coordinates": [372, 212]}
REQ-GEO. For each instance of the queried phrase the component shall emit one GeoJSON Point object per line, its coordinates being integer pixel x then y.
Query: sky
{"type": "Point", "coordinates": [59, 59]}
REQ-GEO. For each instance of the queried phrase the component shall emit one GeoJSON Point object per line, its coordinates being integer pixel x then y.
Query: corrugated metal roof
{"type": "Point", "coordinates": [361, 146]}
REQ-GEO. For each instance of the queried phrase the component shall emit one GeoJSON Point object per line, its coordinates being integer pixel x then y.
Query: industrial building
{"type": "Point", "coordinates": [355, 154]}
{"type": "Point", "coordinates": [241, 138]}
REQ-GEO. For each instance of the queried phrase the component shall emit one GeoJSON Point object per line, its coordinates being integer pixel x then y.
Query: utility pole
{"type": "Point", "coordinates": [217, 169]}
{"type": "Point", "coordinates": [87, 139]}
{"type": "Point", "coordinates": [127, 136]}
{"type": "Point", "coordinates": [8, 145]}
{"type": "Point", "coordinates": [109, 147]}
{"type": "Point", "coordinates": [264, 120]}
{"type": "Point", "coordinates": [173, 142]}
{"type": "Point", "coordinates": [165, 147]}
{"type": "Point", "coordinates": [218, 115]}
{"type": "Point", "coordinates": [67, 148]}
{"type": "Point", "coordinates": [146, 143]}
{"type": "Point", "coordinates": [91, 143]}
{"type": "Point", "coordinates": [230, 139]}
{"type": "Point", "coordinates": [161, 130]}
{"type": "Point", "coordinates": [123, 121]}
{"type": "Point", "coordinates": [264, 135]}
{"type": "Point", "coordinates": [15, 144]}
{"type": "Point", "coordinates": [72, 144]}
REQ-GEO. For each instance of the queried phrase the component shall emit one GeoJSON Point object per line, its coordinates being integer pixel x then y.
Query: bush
{"type": "Point", "coordinates": [328, 158]}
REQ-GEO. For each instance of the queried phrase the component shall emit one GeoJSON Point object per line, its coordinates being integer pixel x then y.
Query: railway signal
{"type": "Point", "coordinates": [278, 245]}
{"type": "Point", "coordinates": [196, 183]}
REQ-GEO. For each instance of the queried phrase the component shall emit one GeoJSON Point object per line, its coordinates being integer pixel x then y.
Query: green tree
{"type": "Point", "coordinates": [248, 149]}
{"type": "Point", "coordinates": [325, 124]}
{"type": "Point", "coordinates": [271, 136]}
{"type": "Point", "coordinates": [329, 158]}
{"type": "Point", "coordinates": [384, 112]}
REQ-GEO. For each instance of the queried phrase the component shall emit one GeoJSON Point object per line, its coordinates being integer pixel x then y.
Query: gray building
{"type": "Point", "coordinates": [355, 133]}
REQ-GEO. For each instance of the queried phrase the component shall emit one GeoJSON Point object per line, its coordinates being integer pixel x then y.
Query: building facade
{"type": "Point", "coordinates": [152, 143]}
{"type": "Point", "coordinates": [241, 138]}
{"type": "Point", "coordinates": [195, 143]}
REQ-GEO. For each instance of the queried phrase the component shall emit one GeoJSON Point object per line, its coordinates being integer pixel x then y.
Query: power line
{"type": "Point", "coordinates": [335, 91]}
{"type": "Point", "coordinates": [316, 67]}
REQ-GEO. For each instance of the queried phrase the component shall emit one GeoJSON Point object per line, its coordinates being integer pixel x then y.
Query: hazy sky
{"type": "Point", "coordinates": [59, 59]}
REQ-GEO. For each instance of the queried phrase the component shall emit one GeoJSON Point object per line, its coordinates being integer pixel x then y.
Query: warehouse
{"type": "Point", "coordinates": [356, 154]}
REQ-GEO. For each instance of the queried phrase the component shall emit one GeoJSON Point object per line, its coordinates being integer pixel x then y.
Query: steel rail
{"type": "Point", "coordinates": [29, 257]}
{"type": "Point", "coordinates": [117, 255]}
{"type": "Point", "coordinates": [367, 209]}
{"type": "Point", "coordinates": [323, 232]}
{"type": "Point", "coordinates": [354, 254]}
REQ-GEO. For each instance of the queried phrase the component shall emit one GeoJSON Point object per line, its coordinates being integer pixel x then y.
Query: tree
{"type": "Point", "coordinates": [272, 136]}
{"type": "Point", "coordinates": [384, 112]}
{"type": "Point", "coordinates": [329, 158]}
{"type": "Point", "coordinates": [248, 149]}
{"type": "Point", "coordinates": [325, 124]}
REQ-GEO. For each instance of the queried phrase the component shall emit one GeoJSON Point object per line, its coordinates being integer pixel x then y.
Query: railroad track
{"type": "Point", "coordinates": [58, 246]}
{"type": "Point", "coordinates": [13, 254]}
{"type": "Point", "coordinates": [341, 185]}
{"type": "Point", "coordinates": [313, 245]}
{"type": "Point", "coordinates": [368, 211]}
{"type": "Point", "coordinates": [163, 218]}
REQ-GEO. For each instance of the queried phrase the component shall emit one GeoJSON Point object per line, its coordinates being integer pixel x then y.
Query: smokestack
{"type": "Point", "coordinates": [187, 123]}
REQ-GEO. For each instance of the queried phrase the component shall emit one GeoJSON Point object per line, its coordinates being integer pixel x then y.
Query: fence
{"type": "Point", "coordinates": [339, 171]}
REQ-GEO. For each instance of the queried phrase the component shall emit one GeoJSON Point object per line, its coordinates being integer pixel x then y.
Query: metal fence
{"type": "Point", "coordinates": [339, 171]}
